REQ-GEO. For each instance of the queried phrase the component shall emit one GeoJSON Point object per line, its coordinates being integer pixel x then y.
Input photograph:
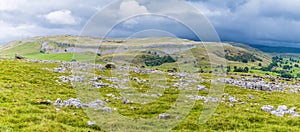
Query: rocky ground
{"type": "Point", "coordinates": [186, 80]}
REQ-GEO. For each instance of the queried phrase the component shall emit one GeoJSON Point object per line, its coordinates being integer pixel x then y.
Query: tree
{"type": "Point", "coordinates": [298, 75]}
{"type": "Point", "coordinates": [246, 69]}
{"type": "Point", "coordinates": [287, 75]}
{"type": "Point", "coordinates": [286, 67]}
{"type": "Point", "coordinates": [259, 64]}
{"type": "Point", "coordinates": [245, 61]}
{"type": "Point", "coordinates": [228, 69]}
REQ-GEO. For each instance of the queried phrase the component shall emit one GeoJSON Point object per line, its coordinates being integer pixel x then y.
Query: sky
{"type": "Point", "coordinates": [266, 22]}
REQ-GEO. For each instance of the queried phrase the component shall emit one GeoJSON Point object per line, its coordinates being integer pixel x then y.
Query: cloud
{"type": "Point", "coordinates": [16, 13]}
{"type": "Point", "coordinates": [131, 8]}
{"type": "Point", "coordinates": [14, 31]}
{"type": "Point", "coordinates": [20, 31]}
{"type": "Point", "coordinates": [268, 22]}
{"type": "Point", "coordinates": [61, 17]}
{"type": "Point", "coordinates": [7, 5]}
{"type": "Point", "coordinates": [247, 21]}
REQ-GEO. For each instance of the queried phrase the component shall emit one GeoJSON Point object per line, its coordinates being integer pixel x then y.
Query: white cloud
{"type": "Point", "coordinates": [235, 20]}
{"type": "Point", "coordinates": [131, 7]}
{"type": "Point", "coordinates": [11, 31]}
{"type": "Point", "coordinates": [8, 5]}
{"type": "Point", "coordinates": [26, 18]}
{"type": "Point", "coordinates": [20, 31]}
{"type": "Point", "coordinates": [63, 17]}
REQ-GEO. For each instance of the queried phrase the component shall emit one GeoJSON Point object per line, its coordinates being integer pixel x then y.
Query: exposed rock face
{"type": "Point", "coordinates": [255, 84]}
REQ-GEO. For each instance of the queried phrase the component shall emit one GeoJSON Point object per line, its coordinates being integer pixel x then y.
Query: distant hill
{"type": "Point", "coordinates": [277, 49]}
{"type": "Point", "coordinates": [155, 51]}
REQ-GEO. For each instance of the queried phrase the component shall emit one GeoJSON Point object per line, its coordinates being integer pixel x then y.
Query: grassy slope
{"type": "Point", "coordinates": [22, 48]}
{"type": "Point", "coordinates": [30, 84]}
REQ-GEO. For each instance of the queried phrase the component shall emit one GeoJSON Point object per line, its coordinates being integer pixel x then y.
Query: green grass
{"type": "Point", "coordinates": [66, 57]}
{"type": "Point", "coordinates": [22, 84]}
{"type": "Point", "coordinates": [23, 48]}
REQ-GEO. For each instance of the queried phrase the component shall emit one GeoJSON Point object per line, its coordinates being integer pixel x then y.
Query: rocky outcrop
{"type": "Point", "coordinates": [280, 111]}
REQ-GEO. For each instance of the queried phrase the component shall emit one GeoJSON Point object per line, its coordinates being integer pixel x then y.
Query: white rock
{"type": "Point", "coordinates": [107, 109]}
{"type": "Point", "coordinates": [232, 99]}
{"type": "Point", "coordinates": [268, 108]}
{"type": "Point", "coordinates": [90, 123]}
{"type": "Point", "coordinates": [282, 108]}
{"type": "Point", "coordinates": [251, 96]}
{"type": "Point", "coordinates": [164, 116]}
{"type": "Point", "coordinates": [277, 113]}
{"type": "Point", "coordinates": [201, 88]}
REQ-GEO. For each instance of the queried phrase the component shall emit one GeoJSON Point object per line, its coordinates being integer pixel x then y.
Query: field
{"type": "Point", "coordinates": [27, 86]}
{"type": "Point", "coordinates": [24, 84]}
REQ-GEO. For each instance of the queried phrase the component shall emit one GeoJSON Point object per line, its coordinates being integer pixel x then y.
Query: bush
{"type": "Point", "coordinates": [259, 64]}
{"type": "Point", "coordinates": [110, 66]}
{"type": "Point", "coordinates": [156, 60]}
{"type": "Point", "coordinates": [286, 75]}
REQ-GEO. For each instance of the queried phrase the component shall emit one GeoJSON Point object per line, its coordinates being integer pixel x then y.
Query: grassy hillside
{"type": "Point", "coordinates": [188, 54]}
{"type": "Point", "coordinates": [23, 85]}
{"type": "Point", "coordinates": [277, 49]}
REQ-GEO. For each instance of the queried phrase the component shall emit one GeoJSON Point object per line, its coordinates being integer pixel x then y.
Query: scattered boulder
{"type": "Point", "coordinates": [268, 108]}
{"type": "Point", "coordinates": [96, 79]}
{"type": "Point", "coordinates": [250, 96]}
{"type": "Point", "coordinates": [280, 111]}
{"type": "Point", "coordinates": [96, 104]}
{"type": "Point", "coordinates": [19, 57]}
{"type": "Point", "coordinates": [136, 80]}
{"type": "Point", "coordinates": [90, 123]}
{"type": "Point", "coordinates": [73, 103]}
{"type": "Point", "coordinates": [164, 116]}
{"type": "Point", "coordinates": [232, 99]}
{"type": "Point", "coordinates": [211, 99]}
{"type": "Point", "coordinates": [58, 101]}
{"type": "Point", "coordinates": [277, 113]}
{"type": "Point", "coordinates": [68, 103]}
{"type": "Point", "coordinates": [125, 101]}
{"type": "Point", "coordinates": [107, 100]}
{"type": "Point", "coordinates": [282, 108]}
{"type": "Point", "coordinates": [60, 70]}
{"type": "Point", "coordinates": [107, 109]}
{"type": "Point", "coordinates": [71, 78]}
{"type": "Point", "coordinates": [100, 85]}
{"type": "Point", "coordinates": [201, 88]}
